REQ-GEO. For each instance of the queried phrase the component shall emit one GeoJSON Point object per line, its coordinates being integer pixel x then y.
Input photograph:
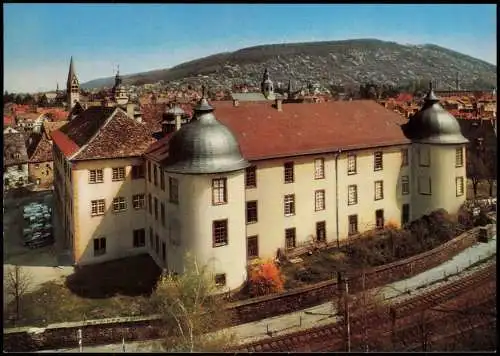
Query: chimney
{"type": "Point", "coordinates": [236, 102]}
{"type": "Point", "coordinates": [279, 104]}
{"type": "Point", "coordinates": [178, 122]}
{"type": "Point", "coordinates": [130, 110]}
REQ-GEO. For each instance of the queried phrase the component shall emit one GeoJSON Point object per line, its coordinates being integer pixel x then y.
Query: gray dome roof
{"type": "Point", "coordinates": [175, 110]}
{"type": "Point", "coordinates": [204, 146]}
{"type": "Point", "coordinates": [433, 124]}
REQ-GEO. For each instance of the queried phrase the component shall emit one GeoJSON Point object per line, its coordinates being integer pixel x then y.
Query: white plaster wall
{"type": "Point", "coordinates": [190, 223]}
{"type": "Point", "coordinates": [443, 173]}
{"type": "Point", "coordinates": [271, 189]}
{"type": "Point", "coordinates": [116, 227]}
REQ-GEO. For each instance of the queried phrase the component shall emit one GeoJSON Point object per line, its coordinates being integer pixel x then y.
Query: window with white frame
{"type": "Point", "coordinates": [378, 163]}
{"type": "Point", "coordinates": [219, 191]}
{"type": "Point", "coordinates": [379, 190]}
{"type": "Point", "coordinates": [351, 164]}
{"type": "Point", "coordinates": [96, 176]}
{"type": "Point", "coordinates": [138, 201]}
{"type": "Point", "coordinates": [459, 157]}
{"type": "Point", "coordinates": [219, 233]}
{"type": "Point", "coordinates": [405, 185]}
{"type": "Point", "coordinates": [288, 172]}
{"type": "Point", "coordinates": [319, 168]}
{"type": "Point", "coordinates": [119, 204]}
{"type": "Point", "coordinates": [319, 200]}
{"type": "Point", "coordinates": [289, 204]}
{"type": "Point", "coordinates": [118, 174]}
{"type": "Point", "coordinates": [352, 194]}
{"type": "Point", "coordinates": [459, 182]}
{"type": "Point", "coordinates": [290, 238]}
{"type": "Point", "coordinates": [252, 214]}
{"type": "Point", "coordinates": [97, 207]}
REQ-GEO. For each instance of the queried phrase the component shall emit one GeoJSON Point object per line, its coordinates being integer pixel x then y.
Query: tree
{"type": "Point", "coordinates": [190, 311]}
{"type": "Point", "coordinates": [17, 282]}
{"type": "Point", "coordinates": [265, 278]}
{"type": "Point", "coordinates": [476, 169]}
{"type": "Point", "coordinates": [490, 163]}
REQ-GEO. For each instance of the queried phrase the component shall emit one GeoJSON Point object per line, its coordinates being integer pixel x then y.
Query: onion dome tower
{"type": "Point", "coordinates": [267, 85]}
{"type": "Point", "coordinates": [433, 124]}
{"type": "Point", "coordinates": [205, 165]}
{"type": "Point", "coordinates": [204, 145]}
{"type": "Point", "coordinates": [438, 177]}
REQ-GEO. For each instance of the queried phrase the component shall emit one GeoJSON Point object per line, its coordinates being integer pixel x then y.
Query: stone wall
{"type": "Point", "coordinates": [143, 328]}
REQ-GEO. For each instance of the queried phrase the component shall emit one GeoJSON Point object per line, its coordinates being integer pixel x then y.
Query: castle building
{"type": "Point", "coordinates": [239, 182]}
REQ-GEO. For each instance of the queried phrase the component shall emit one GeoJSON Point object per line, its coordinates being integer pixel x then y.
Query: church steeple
{"type": "Point", "coordinates": [267, 85]}
{"type": "Point", "coordinates": [72, 86]}
{"type": "Point", "coordinates": [119, 92]}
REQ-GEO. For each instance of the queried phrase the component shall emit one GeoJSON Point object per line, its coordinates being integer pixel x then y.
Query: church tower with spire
{"type": "Point", "coordinates": [267, 86]}
{"type": "Point", "coordinates": [119, 93]}
{"type": "Point", "coordinates": [72, 87]}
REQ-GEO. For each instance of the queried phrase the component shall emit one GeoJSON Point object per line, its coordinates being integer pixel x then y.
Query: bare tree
{"type": "Point", "coordinates": [476, 169]}
{"type": "Point", "coordinates": [191, 313]}
{"type": "Point", "coordinates": [17, 283]}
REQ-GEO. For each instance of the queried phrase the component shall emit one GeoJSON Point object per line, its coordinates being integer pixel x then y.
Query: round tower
{"type": "Point", "coordinates": [119, 92]}
{"type": "Point", "coordinates": [438, 175]}
{"type": "Point", "coordinates": [267, 85]}
{"type": "Point", "coordinates": [206, 164]}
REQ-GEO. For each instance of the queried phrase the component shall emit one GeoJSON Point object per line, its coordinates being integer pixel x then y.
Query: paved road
{"type": "Point", "coordinates": [322, 314]}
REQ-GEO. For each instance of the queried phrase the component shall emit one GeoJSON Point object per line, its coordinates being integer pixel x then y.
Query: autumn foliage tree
{"type": "Point", "coordinates": [265, 278]}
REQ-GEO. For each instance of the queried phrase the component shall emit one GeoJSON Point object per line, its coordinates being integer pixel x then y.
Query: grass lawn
{"type": "Point", "coordinates": [107, 290]}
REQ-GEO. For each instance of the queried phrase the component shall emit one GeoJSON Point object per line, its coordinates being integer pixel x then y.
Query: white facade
{"type": "Point", "coordinates": [188, 224]}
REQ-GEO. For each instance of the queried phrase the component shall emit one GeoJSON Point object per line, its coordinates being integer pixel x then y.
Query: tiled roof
{"type": "Point", "coordinates": [100, 133]}
{"type": "Point", "coordinates": [86, 125]}
{"type": "Point", "coordinates": [49, 126]}
{"type": "Point", "coordinates": [264, 132]}
{"type": "Point", "coordinates": [158, 151]}
{"type": "Point", "coordinates": [14, 143]}
{"type": "Point", "coordinates": [8, 120]}
{"type": "Point", "coordinates": [42, 151]}
{"type": "Point", "coordinates": [64, 143]}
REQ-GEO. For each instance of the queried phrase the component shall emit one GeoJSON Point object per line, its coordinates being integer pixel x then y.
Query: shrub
{"type": "Point", "coordinates": [265, 278]}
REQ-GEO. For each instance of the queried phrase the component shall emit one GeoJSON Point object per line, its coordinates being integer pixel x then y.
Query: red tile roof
{"type": "Point", "coordinates": [8, 120]}
{"type": "Point", "coordinates": [64, 143]}
{"type": "Point", "coordinates": [43, 151]}
{"type": "Point", "coordinates": [103, 133]}
{"type": "Point", "coordinates": [264, 132]}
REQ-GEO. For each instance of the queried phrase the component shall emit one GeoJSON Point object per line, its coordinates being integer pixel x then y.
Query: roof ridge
{"type": "Point", "coordinates": [92, 138]}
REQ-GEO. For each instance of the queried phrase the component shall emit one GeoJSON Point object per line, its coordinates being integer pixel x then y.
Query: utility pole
{"type": "Point", "coordinates": [346, 315]}
{"type": "Point", "coordinates": [16, 284]}
{"type": "Point", "coordinates": [79, 335]}
{"type": "Point", "coordinates": [365, 328]}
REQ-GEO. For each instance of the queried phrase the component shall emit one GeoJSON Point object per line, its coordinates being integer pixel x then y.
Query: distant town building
{"type": "Point", "coordinates": [15, 161]}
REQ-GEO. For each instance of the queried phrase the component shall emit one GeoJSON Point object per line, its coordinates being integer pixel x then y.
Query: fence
{"type": "Point", "coordinates": [144, 328]}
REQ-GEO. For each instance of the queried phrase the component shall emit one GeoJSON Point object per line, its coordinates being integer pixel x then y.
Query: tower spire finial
{"type": "Point", "coordinates": [431, 98]}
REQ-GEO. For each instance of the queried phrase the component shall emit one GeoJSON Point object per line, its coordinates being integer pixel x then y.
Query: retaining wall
{"type": "Point", "coordinates": [106, 331]}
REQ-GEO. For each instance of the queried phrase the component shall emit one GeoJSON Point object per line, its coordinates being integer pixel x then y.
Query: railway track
{"type": "Point", "coordinates": [330, 337]}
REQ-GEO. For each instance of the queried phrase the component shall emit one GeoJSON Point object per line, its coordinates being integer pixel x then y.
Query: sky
{"type": "Point", "coordinates": [39, 39]}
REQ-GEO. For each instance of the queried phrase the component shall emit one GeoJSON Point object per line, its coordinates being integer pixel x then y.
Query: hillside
{"type": "Point", "coordinates": [337, 62]}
